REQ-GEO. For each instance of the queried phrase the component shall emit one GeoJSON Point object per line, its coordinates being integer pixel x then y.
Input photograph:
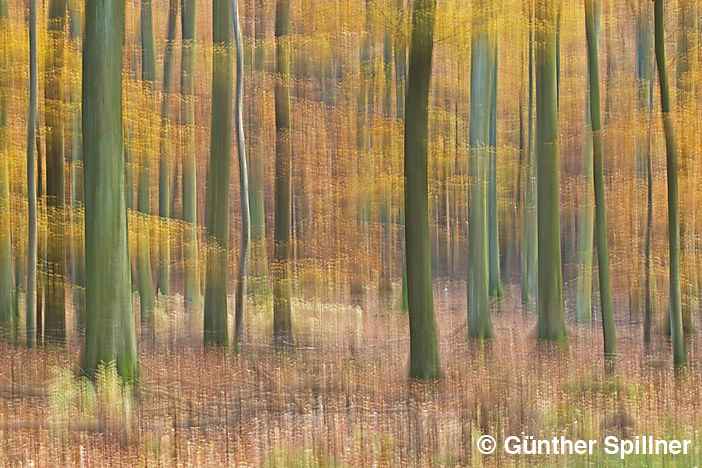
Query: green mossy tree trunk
{"type": "Point", "coordinates": [424, 345]}
{"type": "Point", "coordinates": [550, 276]}
{"type": "Point", "coordinates": [482, 63]}
{"type": "Point", "coordinates": [676, 325]}
{"type": "Point", "coordinates": [109, 327]}
{"type": "Point", "coordinates": [217, 203]}
{"type": "Point", "coordinates": [282, 326]}
{"type": "Point", "coordinates": [55, 311]}
{"type": "Point", "coordinates": [187, 109]}
{"type": "Point", "coordinates": [593, 13]}
{"type": "Point", "coordinates": [164, 166]}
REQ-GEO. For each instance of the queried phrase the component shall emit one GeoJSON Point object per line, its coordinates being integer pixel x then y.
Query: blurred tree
{"type": "Point", "coordinates": [676, 325]}
{"type": "Point", "coordinates": [493, 239]}
{"type": "Point", "coordinates": [55, 312]}
{"type": "Point", "coordinates": [187, 90]}
{"type": "Point", "coordinates": [148, 76]}
{"type": "Point", "coordinates": [593, 13]}
{"type": "Point", "coordinates": [7, 281]}
{"type": "Point", "coordinates": [217, 207]}
{"type": "Point", "coordinates": [31, 178]}
{"type": "Point", "coordinates": [550, 282]}
{"type": "Point", "coordinates": [482, 63]}
{"type": "Point", "coordinates": [424, 345]}
{"type": "Point", "coordinates": [109, 327]}
{"type": "Point", "coordinates": [164, 167]}
{"type": "Point", "coordinates": [243, 177]}
{"type": "Point", "coordinates": [282, 329]}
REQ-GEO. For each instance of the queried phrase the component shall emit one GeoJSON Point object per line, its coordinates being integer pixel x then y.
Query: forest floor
{"type": "Point", "coordinates": [341, 396]}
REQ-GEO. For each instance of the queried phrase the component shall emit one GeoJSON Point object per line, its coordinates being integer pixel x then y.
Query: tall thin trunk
{"type": "Point", "coordinates": [55, 312]}
{"type": "Point", "coordinates": [187, 90]}
{"type": "Point", "coordinates": [243, 177]}
{"type": "Point", "coordinates": [148, 76]}
{"type": "Point", "coordinates": [7, 281]}
{"type": "Point", "coordinates": [258, 271]}
{"type": "Point", "coordinates": [164, 167]}
{"type": "Point", "coordinates": [586, 227]}
{"type": "Point", "coordinates": [424, 345]}
{"type": "Point", "coordinates": [492, 209]}
{"type": "Point", "coordinates": [550, 277]}
{"type": "Point", "coordinates": [31, 178]}
{"type": "Point", "coordinates": [482, 63]}
{"type": "Point", "coordinates": [593, 9]}
{"type": "Point", "coordinates": [679, 351]}
{"type": "Point", "coordinates": [282, 327]}
{"type": "Point", "coordinates": [109, 327]}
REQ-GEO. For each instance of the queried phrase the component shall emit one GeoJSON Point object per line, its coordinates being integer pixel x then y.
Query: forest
{"type": "Point", "coordinates": [321, 233]}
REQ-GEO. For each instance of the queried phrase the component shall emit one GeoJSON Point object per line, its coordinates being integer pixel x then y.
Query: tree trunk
{"type": "Point", "coordinates": [109, 327]}
{"type": "Point", "coordinates": [55, 312]}
{"type": "Point", "coordinates": [424, 346]}
{"type": "Point", "coordinates": [187, 90]}
{"type": "Point", "coordinates": [164, 167]}
{"type": "Point", "coordinates": [593, 9]}
{"type": "Point", "coordinates": [550, 277]}
{"type": "Point", "coordinates": [492, 209]}
{"type": "Point", "coordinates": [31, 178]}
{"type": "Point", "coordinates": [217, 208]}
{"type": "Point", "coordinates": [282, 329]}
{"type": "Point", "coordinates": [483, 45]}
{"type": "Point", "coordinates": [679, 351]}
{"type": "Point", "coordinates": [243, 178]}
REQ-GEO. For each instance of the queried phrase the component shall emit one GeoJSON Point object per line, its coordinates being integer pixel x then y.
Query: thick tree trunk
{"type": "Point", "coordinates": [424, 345]}
{"type": "Point", "coordinates": [217, 208]}
{"type": "Point", "coordinates": [109, 327]}
{"type": "Point", "coordinates": [550, 276]}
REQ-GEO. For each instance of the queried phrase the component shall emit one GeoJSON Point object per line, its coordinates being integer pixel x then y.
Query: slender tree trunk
{"type": "Point", "coordinates": [550, 277]}
{"type": "Point", "coordinates": [400, 81]}
{"type": "Point", "coordinates": [530, 240]}
{"type": "Point", "coordinates": [164, 167]}
{"type": "Point", "coordinates": [55, 312]}
{"type": "Point", "coordinates": [187, 90]}
{"type": "Point", "coordinates": [148, 75]}
{"type": "Point", "coordinates": [679, 351]}
{"type": "Point", "coordinates": [243, 177]}
{"type": "Point", "coordinates": [282, 327]}
{"type": "Point", "coordinates": [8, 314]}
{"type": "Point", "coordinates": [586, 226]}
{"type": "Point", "coordinates": [258, 271]}
{"type": "Point", "coordinates": [109, 327]}
{"type": "Point", "coordinates": [492, 209]}
{"type": "Point", "coordinates": [77, 192]}
{"type": "Point", "coordinates": [217, 208]}
{"type": "Point", "coordinates": [483, 45]}
{"type": "Point", "coordinates": [31, 178]}
{"type": "Point", "coordinates": [424, 345]}
{"type": "Point", "coordinates": [593, 12]}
